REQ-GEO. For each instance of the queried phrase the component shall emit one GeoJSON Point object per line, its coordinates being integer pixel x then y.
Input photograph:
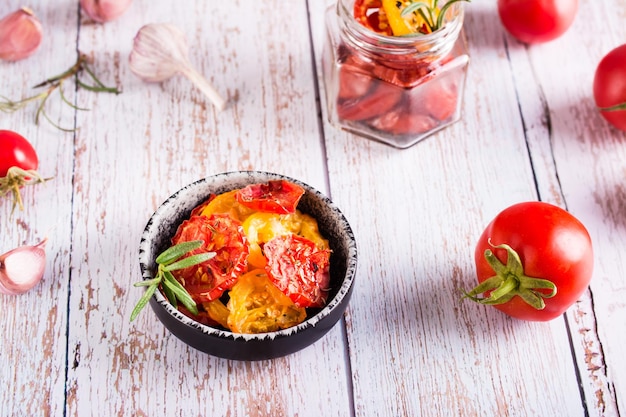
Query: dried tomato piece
{"type": "Point", "coordinates": [299, 269]}
{"type": "Point", "coordinates": [257, 306]}
{"type": "Point", "coordinates": [224, 236]}
{"type": "Point", "coordinates": [276, 196]}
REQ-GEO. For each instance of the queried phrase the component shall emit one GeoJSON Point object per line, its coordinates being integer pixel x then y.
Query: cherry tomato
{"type": "Point", "coordinates": [299, 269]}
{"type": "Point", "coordinates": [278, 196]}
{"type": "Point", "coordinates": [222, 235]}
{"type": "Point", "coordinates": [609, 87]}
{"type": "Point", "coordinates": [544, 260]}
{"type": "Point", "coordinates": [537, 21]}
{"type": "Point", "coordinates": [257, 306]}
{"type": "Point", "coordinates": [16, 151]}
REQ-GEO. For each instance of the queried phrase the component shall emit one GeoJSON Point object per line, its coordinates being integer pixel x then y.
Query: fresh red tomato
{"type": "Point", "coordinates": [533, 261]}
{"type": "Point", "coordinates": [222, 235]}
{"type": "Point", "coordinates": [16, 151]}
{"type": "Point", "coordinates": [609, 87]}
{"type": "Point", "coordinates": [299, 269]}
{"type": "Point", "coordinates": [278, 196]}
{"type": "Point", "coordinates": [537, 21]}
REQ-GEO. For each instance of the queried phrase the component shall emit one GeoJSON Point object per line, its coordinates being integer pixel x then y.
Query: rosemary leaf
{"type": "Point", "coordinates": [145, 298]}
{"type": "Point", "coordinates": [174, 252]}
{"type": "Point", "coordinates": [189, 261]}
{"type": "Point", "coordinates": [180, 292]}
{"type": "Point", "coordinates": [147, 282]}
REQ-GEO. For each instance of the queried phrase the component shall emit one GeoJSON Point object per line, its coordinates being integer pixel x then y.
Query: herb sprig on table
{"type": "Point", "coordinates": [55, 83]}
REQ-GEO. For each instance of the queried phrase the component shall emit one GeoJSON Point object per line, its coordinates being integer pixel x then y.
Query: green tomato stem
{"type": "Point", "coordinates": [617, 107]}
{"type": "Point", "coordinates": [510, 281]}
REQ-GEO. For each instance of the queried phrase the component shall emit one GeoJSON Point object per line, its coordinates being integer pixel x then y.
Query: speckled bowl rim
{"type": "Point", "coordinates": [217, 181]}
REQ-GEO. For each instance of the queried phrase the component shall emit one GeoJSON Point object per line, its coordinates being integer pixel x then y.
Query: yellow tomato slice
{"type": "Point", "coordinates": [257, 306]}
{"type": "Point", "coordinates": [260, 228]}
{"type": "Point", "coordinates": [398, 25]}
{"type": "Point", "coordinates": [226, 204]}
{"type": "Point", "coordinates": [217, 311]}
{"type": "Point", "coordinates": [413, 23]}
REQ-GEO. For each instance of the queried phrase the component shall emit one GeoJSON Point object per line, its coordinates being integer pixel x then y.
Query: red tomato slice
{"type": "Point", "coordinates": [402, 122]}
{"type": "Point", "coordinates": [277, 196]}
{"type": "Point", "coordinates": [353, 82]}
{"type": "Point", "coordinates": [222, 235]}
{"type": "Point", "coordinates": [367, 12]}
{"type": "Point", "coordinates": [380, 99]}
{"type": "Point", "coordinates": [440, 98]}
{"type": "Point", "coordinates": [299, 269]}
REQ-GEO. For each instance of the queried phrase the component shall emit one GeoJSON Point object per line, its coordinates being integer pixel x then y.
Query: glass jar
{"type": "Point", "coordinates": [393, 89]}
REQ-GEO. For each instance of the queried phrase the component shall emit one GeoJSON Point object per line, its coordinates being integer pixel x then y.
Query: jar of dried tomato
{"type": "Point", "coordinates": [393, 89]}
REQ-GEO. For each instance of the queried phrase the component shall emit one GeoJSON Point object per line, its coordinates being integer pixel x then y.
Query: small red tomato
{"type": "Point", "coordinates": [609, 87]}
{"type": "Point", "coordinates": [533, 261]}
{"type": "Point", "coordinates": [16, 151]}
{"type": "Point", "coordinates": [224, 236]}
{"type": "Point", "coordinates": [18, 164]}
{"type": "Point", "coordinates": [278, 196]}
{"type": "Point", "coordinates": [299, 269]}
{"type": "Point", "coordinates": [537, 21]}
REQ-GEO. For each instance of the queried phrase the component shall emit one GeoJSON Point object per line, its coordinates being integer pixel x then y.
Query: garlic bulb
{"type": "Point", "coordinates": [104, 10]}
{"type": "Point", "coordinates": [22, 268]}
{"type": "Point", "coordinates": [160, 51]}
{"type": "Point", "coordinates": [20, 35]}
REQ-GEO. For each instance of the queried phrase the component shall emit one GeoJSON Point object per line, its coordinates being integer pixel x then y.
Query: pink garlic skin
{"type": "Point", "coordinates": [21, 34]}
{"type": "Point", "coordinates": [104, 10]}
{"type": "Point", "coordinates": [22, 268]}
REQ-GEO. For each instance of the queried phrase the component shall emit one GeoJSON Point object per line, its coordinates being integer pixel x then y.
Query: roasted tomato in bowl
{"type": "Point", "coordinates": [271, 270]}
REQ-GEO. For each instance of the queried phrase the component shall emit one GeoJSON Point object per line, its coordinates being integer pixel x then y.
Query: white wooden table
{"type": "Point", "coordinates": [408, 346]}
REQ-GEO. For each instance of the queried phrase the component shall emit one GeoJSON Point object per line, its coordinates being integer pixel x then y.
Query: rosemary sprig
{"type": "Point", "coordinates": [52, 84]}
{"type": "Point", "coordinates": [168, 261]}
{"type": "Point", "coordinates": [432, 15]}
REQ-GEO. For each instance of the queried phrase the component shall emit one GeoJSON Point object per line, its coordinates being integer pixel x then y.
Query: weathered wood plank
{"type": "Point", "coordinates": [426, 207]}
{"type": "Point", "coordinates": [576, 161]}
{"type": "Point", "coordinates": [128, 165]}
{"type": "Point", "coordinates": [34, 325]}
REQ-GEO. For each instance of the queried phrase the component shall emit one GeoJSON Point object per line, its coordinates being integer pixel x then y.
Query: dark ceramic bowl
{"type": "Point", "coordinates": [222, 343]}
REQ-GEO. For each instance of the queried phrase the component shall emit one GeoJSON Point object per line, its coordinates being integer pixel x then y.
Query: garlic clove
{"type": "Point", "coordinates": [104, 10]}
{"type": "Point", "coordinates": [22, 268]}
{"type": "Point", "coordinates": [21, 34]}
{"type": "Point", "coordinates": [160, 51]}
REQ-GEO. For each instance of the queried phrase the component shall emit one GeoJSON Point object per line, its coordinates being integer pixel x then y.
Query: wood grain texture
{"type": "Point", "coordinates": [409, 345]}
